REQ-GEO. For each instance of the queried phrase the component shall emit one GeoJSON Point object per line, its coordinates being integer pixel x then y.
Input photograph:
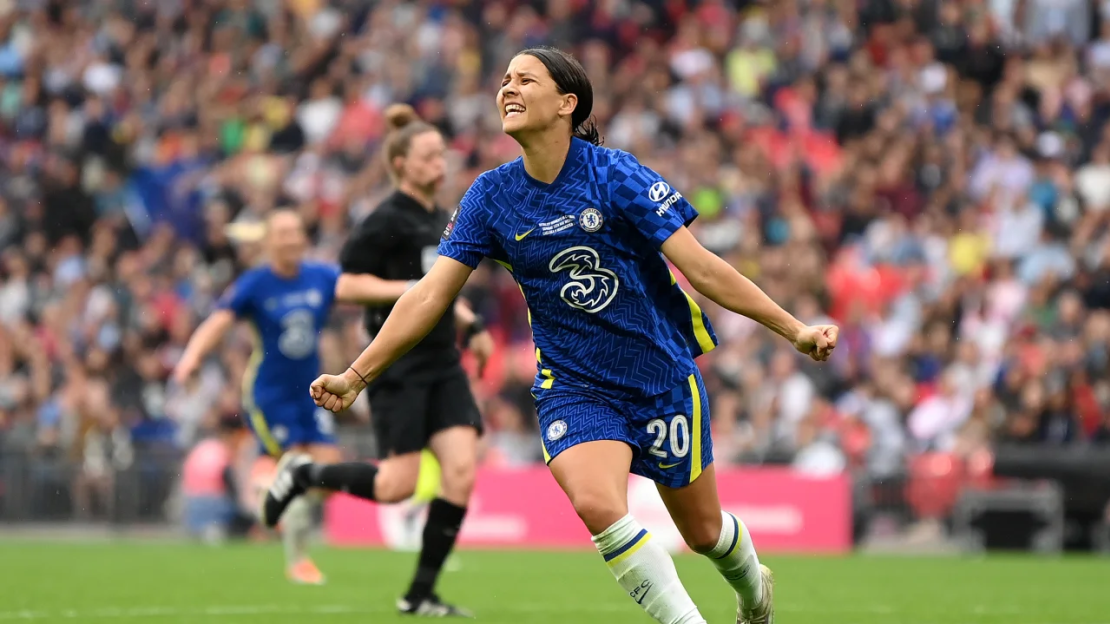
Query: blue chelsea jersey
{"type": "Point", "coordinates": [287, 315]}
{"type": "Point", "coordinates": [605, 309]}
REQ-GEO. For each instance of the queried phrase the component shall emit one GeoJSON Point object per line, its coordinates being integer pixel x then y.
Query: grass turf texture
{"type": "Point", "coordinates": [178, 583]}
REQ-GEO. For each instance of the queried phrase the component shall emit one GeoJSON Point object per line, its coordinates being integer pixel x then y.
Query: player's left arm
{"type": "Point", "coordinates": [725, 286]}
{"type": "Point", "coordinates": [661, 215]}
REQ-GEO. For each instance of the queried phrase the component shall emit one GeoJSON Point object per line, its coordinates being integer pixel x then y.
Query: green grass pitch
{"type": "Point", "coordinates": [179, 583]}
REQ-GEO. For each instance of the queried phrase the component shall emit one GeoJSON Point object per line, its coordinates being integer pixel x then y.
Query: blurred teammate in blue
{"type": "Point", "coordinates": [287, 301]}
{"type": "Point", "coordinates": [586, 233]}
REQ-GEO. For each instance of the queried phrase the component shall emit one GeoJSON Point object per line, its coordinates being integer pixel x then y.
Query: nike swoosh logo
{"type": "Point", "coordinates": [644, 595]}
{"type": "Point", "coordinates": [666, 466]}
{"type": "Point", "coordinates": [520, 237]}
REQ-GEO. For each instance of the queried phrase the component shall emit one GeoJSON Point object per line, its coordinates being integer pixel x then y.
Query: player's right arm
{"type": "Point", "coordinates": [413, 316]}
{"type": "Point", "coordinates": [465, 242]}
{"type": "Point", "coordinates": [234, 304]}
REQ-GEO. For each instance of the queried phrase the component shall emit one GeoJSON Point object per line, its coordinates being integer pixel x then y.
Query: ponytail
{"type": "Point", "coordinates": [588, 132]}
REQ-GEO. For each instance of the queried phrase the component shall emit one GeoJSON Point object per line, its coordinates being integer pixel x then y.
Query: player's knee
{"type": "Point", "coordinates": [393, 490]}
{"type": "Point", "coordinates": [598, 510]}
{"type": "Point", "coordinates": [702, 537]}
{"type": "Point", "coordinates": [458, 479]}
{"type": "Point", "coordinates": [396, 479]}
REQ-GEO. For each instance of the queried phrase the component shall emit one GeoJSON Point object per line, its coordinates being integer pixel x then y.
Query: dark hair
{"type": "Point", "coordinates": [570, 77]}
{"type": "Point", "coordinates": [404, 126]}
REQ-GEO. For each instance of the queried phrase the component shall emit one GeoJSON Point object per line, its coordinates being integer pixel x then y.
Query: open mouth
{"type": "Point", "coordinates": [512, 110]}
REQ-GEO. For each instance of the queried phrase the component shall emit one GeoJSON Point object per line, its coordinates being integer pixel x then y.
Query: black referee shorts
{"type": "Point", "coordinates": [406, 415]}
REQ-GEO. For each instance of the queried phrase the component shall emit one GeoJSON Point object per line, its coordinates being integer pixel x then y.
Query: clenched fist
{"type": "Point", "coordinates": [334, 393]}
{"type": "Point", "coordinates": [817, 341]}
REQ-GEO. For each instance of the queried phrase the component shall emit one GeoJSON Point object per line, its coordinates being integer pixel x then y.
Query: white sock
{"type": "Point", "coordinates": [296, 527]}
{"type": "Point", "coordinates": [736, 560]}
{"type": "Point", "coordinates": [646, 572]}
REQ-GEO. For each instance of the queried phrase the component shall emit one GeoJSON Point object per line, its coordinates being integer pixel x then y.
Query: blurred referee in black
{"type": "Point", "coordinates": [424, 399]}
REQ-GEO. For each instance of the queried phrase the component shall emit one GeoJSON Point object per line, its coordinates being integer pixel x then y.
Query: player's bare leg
{"type": "Point", "coordinates": [721, 537]}
{"type": "Point", "coordinates": [594, 476]}
{"type": "Point", "coordinates": [456, 449]}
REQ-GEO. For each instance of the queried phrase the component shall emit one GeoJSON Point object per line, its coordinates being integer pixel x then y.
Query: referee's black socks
{"type": "Point", "coordinates": [442, 528]}
{"type": "Point", "coordinates": [354, 478]}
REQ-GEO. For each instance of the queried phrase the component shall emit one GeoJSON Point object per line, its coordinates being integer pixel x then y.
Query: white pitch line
{"type": "Point", "coordinates": [262, 610]}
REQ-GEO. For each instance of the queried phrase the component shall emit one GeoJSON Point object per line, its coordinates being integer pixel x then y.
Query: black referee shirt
{"type": "Point", "coordinates": [399, 241]}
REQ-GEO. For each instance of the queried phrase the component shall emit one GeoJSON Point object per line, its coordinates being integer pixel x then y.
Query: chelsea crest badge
{"type": "Point", "coordinates": [590, 219]}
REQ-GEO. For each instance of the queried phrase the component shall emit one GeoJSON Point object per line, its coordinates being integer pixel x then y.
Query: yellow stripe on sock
{"type": "Point", "coordinates": [631, 551]}
{"type": "Point", "coordinates": [695, 443]}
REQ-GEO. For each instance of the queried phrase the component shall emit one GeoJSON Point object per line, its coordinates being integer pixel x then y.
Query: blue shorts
{"type": "Point", "coordinates": [669, 434]}
{"type": "Point", "coordinates": [281, 423]}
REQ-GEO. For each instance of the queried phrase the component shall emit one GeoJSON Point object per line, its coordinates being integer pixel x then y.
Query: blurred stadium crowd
{"type": "Point", "coordinates": [932, 174]}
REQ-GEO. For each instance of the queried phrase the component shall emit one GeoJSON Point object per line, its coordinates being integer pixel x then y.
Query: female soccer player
{"type": "Point", "coordinates": [287, 301]}
{"type": "Point", "coordinates": [584, 231]}
{"type": "Point", "coordinates": [424, 400]}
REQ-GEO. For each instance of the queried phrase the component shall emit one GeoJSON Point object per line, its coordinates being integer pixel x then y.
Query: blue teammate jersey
{"type": "Point", "coordinates": [606, 311]}
{"type": "Point", "coordinates": [287, 314]}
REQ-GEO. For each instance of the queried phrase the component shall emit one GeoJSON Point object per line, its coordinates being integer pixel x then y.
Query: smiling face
{"type": "Point", "coordinates": [529, 100]}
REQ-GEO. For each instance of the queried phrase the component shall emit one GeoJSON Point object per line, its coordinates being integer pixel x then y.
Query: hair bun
{"type": "Point", "coordinates": [400, 115]}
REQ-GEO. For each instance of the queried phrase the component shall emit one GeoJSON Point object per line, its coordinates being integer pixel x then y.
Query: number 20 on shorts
{"type": "Point", "coordinates": [678, 436]}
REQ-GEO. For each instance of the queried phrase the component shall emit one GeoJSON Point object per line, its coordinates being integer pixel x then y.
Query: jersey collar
{"type": "Point", "coordinates": [575, 152]}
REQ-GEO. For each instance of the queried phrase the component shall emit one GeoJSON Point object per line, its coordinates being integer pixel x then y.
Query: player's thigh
{"type": "Point", "coordinates": [696, 510]}
{"type": "Point", "coordinates": [399, 415]}
{"type": "Point", "coordinates": [672, 432]}
{"type": "Point", "coordinates": [589, 449]}
{"type": "Point", "coordinates": [594, 476]}
{"type": "Point", "coordinates": [675, 436]}
{"type": "Point", "coordinates": [456, 450]}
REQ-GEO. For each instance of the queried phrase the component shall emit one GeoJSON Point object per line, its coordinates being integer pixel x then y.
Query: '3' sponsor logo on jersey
{"type": "Point", "coordinates": [591, 287]}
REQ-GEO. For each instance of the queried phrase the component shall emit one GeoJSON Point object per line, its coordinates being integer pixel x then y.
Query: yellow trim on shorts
{"type": "Point", "coordinates": [546, 455]}
{"type": "Point", "coordinates": [549, 377]}
{"type": "Point", "coordinates": [250, 377]}
{"type": "Point", "coordinates": [695, 444]}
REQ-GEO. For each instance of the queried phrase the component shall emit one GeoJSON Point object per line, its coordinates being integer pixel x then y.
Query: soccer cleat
{"type": "Point", "coordinates": [284, 489]}
{"type": "Point", "coordinates": [764, 612]}
{"type": "Point", "coordinates": [304, 572]}
{"type": "Point", "coordinates": [431, 606]}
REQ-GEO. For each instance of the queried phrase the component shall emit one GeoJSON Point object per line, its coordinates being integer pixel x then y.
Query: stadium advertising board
{"type": "Point", "coordinates": [785, 512]}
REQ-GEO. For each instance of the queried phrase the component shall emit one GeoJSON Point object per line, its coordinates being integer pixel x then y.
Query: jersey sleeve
{"type": "Point", "coordinates": [466, 237]}
{"type": "Point", "coordinates": [238, 297]}
{"type": "Point", "coordinates": [647, 201]}
{"type": "Point", "coordinates": [368, 247]}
